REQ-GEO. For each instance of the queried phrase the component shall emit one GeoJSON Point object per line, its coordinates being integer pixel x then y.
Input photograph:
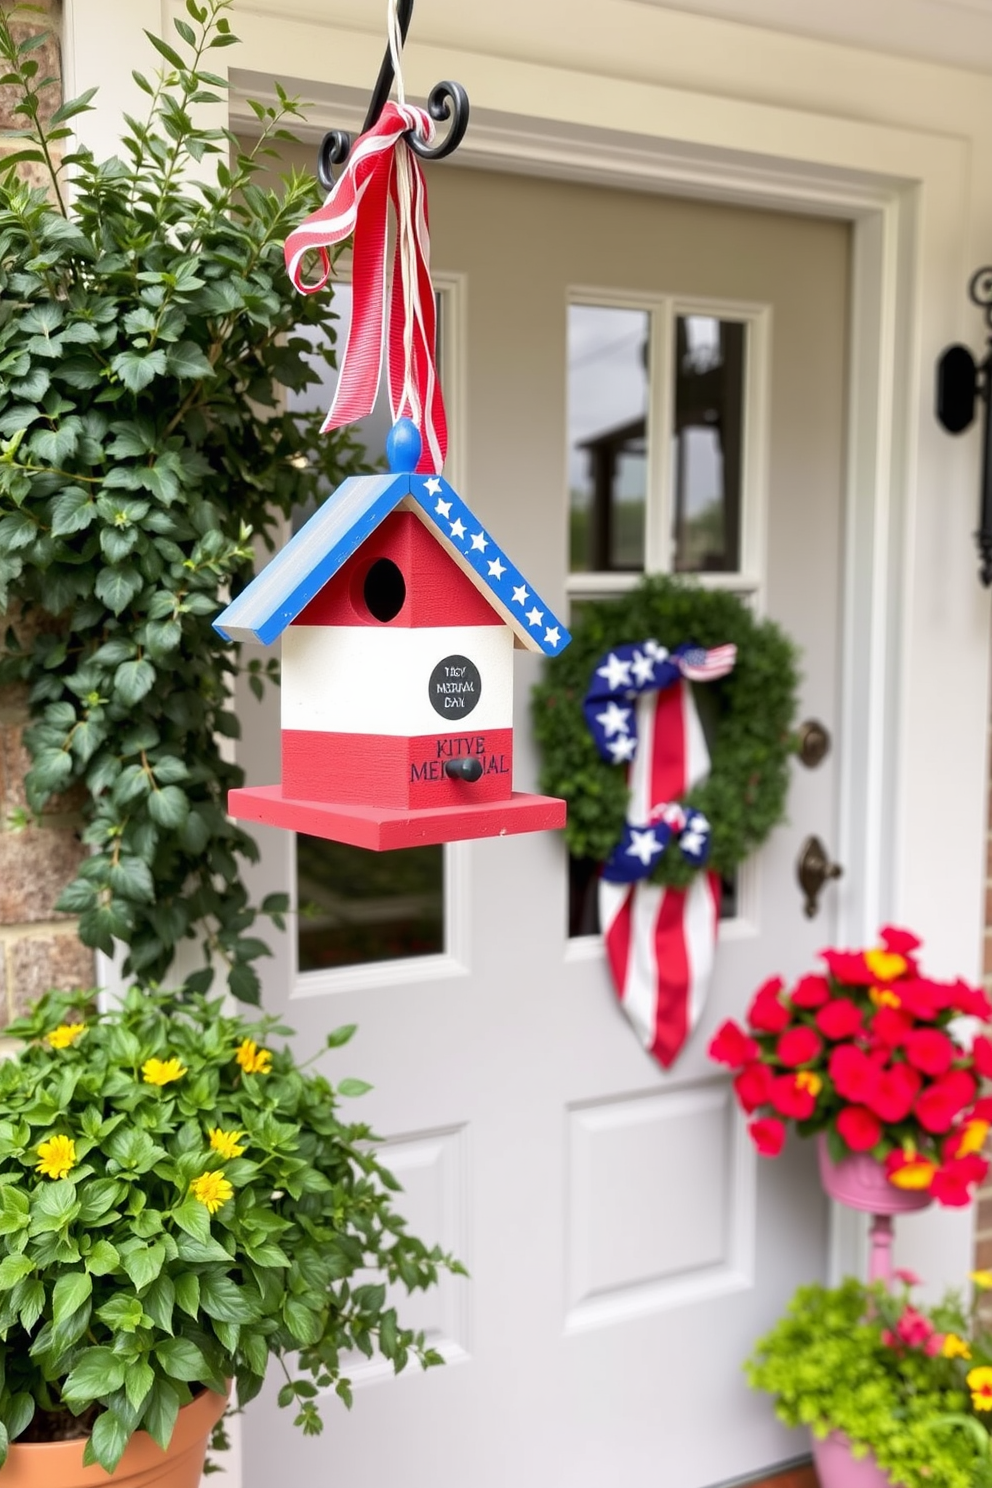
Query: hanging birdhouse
{"type": "Point", "coordinates": [399, 614]}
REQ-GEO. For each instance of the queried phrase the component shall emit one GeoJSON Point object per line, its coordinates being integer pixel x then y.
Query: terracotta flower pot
{"type": "Point", "coordinates": [60, 1464]}
{"type": "Point", "coordinates": [860, 1182]}
{"type": "Point", "coordinates": [836, 1467]}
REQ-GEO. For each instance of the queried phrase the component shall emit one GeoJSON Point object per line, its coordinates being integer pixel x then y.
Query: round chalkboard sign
{"type": "Point", "coordinates": [455, 687]}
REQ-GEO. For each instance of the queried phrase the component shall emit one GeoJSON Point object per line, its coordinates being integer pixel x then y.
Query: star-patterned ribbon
{"type": "Point", "coordinates": [620, 677]}
{"type": "Point", "coordinates": [660, 942]}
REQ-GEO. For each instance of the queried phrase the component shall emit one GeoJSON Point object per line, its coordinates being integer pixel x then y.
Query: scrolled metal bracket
{"type": "Point", "coordinates": [448, 101]}
{"type": "Point", "coordinates": [961, 381]}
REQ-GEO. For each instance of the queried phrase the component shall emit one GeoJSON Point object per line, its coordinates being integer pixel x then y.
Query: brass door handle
{"type": "Point", "coordinates": [813, 870]}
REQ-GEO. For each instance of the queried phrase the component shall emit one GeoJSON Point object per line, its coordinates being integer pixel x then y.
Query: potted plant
{"type": "Point", "coordinates": [180, 1203]}
{"type": "Point", "coordinates": [892, 1393]}
{"type": "Point", "coordinates": [866, 1056]}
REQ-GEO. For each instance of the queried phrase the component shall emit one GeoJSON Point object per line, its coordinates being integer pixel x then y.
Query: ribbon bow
{"type": "Point", "coordinates": [382, 169]}
{"type": "Point", "coordinates": [659, 941]}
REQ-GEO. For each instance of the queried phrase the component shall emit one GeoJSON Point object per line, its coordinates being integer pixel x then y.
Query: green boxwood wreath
{"type": "Point", "coordinates": [748, 718]}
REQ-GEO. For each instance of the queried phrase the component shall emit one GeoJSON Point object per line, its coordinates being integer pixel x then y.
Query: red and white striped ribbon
{"type": "Point", "coordinates": [382, 169]}
{"type": "Point", "coordinates": [661, 942]}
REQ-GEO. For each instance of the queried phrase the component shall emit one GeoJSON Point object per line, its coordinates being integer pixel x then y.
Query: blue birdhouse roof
{"type": "Point", "coordinates": [338, 528]}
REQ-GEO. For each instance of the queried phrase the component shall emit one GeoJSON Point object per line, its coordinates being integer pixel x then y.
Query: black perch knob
{"type": "Point", "coordinates": [463, 769]}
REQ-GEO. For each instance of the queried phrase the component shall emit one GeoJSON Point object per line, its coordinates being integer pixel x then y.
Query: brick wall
{"type": "Point", "coordinates": [39, 948]}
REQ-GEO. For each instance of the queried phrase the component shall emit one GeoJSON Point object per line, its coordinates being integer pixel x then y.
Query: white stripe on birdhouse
{"type": "Point", "coordinates": [402, 682]}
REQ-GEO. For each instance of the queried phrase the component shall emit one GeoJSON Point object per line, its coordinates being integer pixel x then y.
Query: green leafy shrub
{"type": "Point", "coordinates": [894, 1379]}
{"type": "Point", "coordinates": [146, 332]}
{"type": "Point", "coordinates": [178, 1205]}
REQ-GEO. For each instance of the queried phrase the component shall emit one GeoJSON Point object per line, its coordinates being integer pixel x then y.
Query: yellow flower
{"type": "Point", "coordinates": [252, 1059]}
{"type": "Point", "coordinates": [972, 1138]}
{"type": "Point", "coordinates": [65, 1034]}
{"type": "Point", "coordinates": [58, 1157]}
{"type": "Point", "coordinates": [982, 1279]}
{"type": "Point", "coordinates": [980, 1385]}
{"type": "Point", "coordinates": [885, 965]}
{"type": "Point", "coordinates": [882, 997]}
{"type": "Point", "coordinates": [917, 1173]}
{"type": "Point", "coordinates": [954, 1347]}
{"type": "Point", "coordinates": [226, 1143]}
{"type": "Point", "coordinates": [162, 1071]}
{"type": "Point", "coordinates": [212, 1190]}
{"type": "Point", "coordinates": [807, 1080]}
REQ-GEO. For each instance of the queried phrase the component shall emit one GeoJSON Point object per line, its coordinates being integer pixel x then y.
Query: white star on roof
{"type": "Point", "coordinates": [552, 636]}
{"type": "Point", "coordinates": [622, 748]}
{"type": "Point", "coordinates": [535, 616]}
{"type": "Point", "coordinates": [443, 508]}
{"type": "Point", "coordinates": [614, 720]}
{"type": "Point", "coordinates": [616, 672]}
{"type": "Point", "coordinates": [458, 528]}
{"type": "Point", "coordinates": [643, 668]}
{"type": "Point", "coordinates": [644, 845]}
{"type": "Point", "coordinates": [497, 569]}
{"type": "Point", "coordinates": [432, 486]}
{"type": "Point", "coordinates": [480, 541]}
{"type": "Point", "coordinates": [520, 596]}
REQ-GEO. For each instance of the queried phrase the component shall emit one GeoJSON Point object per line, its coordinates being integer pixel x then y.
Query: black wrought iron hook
{"type": "Point", "coordinates": [447, 100]}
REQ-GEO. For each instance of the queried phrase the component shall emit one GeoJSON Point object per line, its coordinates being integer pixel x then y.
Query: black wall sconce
{"type": "Point", "coordinates": [960, 382]}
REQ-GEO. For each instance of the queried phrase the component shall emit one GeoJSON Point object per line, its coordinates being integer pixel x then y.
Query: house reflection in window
{"type": "Point", "coordinates": [707, 444]}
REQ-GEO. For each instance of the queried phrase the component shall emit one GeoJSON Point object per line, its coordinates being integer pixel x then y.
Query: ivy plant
{"type": "Point", "coordinates": [147, 330]}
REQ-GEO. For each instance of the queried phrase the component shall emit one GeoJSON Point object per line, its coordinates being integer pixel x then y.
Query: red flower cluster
{"type": "Point", "coordinates": [866, 1051]}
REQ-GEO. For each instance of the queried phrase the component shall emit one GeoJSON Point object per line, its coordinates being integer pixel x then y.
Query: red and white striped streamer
{"type": "Point", "coordinates": [382, 169]}
{"type": "Point", "coordinates": [661, 942]}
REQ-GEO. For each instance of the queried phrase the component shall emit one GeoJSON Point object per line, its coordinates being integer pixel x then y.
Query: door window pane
{"type": "Point", "coordinates": [708, 444]}
{"type": "Point", "coordinates": [583, 897]}
{"type": "Point", "coordinates": [357, 906]}
{"type": "Point", "coordinates": [607, 437]}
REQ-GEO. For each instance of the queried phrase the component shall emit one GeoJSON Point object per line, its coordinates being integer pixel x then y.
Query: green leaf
{"type": "Point", "coordinates": [117, 587]}
{"type": "Point", "coordinates": [169, 807]}
{"type": "Point", "coordinates": [353, 1087]}
{"type": "Point", "coordinates": [188, 361]}
{"type": "Point", "coordinates": [103, 1259]}
{"type": "Point", "coordinates": [165, 50]}
{"type": "Point", "coordinates": [161, 1411]}
{"type": "Point", "coordinates": [4, 1444]}
{"type": "Point", "coordinates": [121, 1313]}
{"type": "Point", "coordinates": [303, 1324]}
{"type": "Point", "coordinates": [13, 1268]}
{"type": "Point", "coordinates": [143, 1265]}
{"type": "Point", "coordinates": [222, 1298]}
{"type": "Point", "coordinates": [97, 1373]}
{"type": "Point", "coordinates": [339, 1036]}
{"type": "Point", "coordinates": [73, 510]}
{"type": "Point", "coordinates": [136, 369]}
{"type": "Point", "coordinates": [69, 1294]}
{"type": "Point", "coordinates": [182, 1360]}
{"type": "Point", "coordinates": [159, 1302]}
{"type": "Point", "coordinates": [32, 1298]}
{"type": "Point", "coordinates": [109, 1438]}
{"type": "Point", "coordinates": [138, 1382]}
{"type": "Point", "coordinates": [188, 1292]}
{"type": "Point", "coordinates": [133, 680]}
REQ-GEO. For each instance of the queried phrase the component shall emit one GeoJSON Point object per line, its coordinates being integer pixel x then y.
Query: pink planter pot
{"type": "Point", "coordinates": [860, 1182]}
{"type": "Point", "coordinates": [836, 1468]}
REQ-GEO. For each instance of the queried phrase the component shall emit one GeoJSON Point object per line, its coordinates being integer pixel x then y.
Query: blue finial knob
{"type": "Point", "coordinates": [403, 447]}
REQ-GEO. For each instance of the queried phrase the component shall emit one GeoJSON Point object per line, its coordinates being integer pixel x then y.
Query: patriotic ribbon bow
{"type": "Point", "coordinates": [382, 169]}
{"type": "Point", "coordinates": [660, 942]}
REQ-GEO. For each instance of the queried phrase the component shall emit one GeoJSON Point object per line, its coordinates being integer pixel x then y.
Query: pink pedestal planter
{"type": "Point", "coordinates": [836, 1468]}
{"type": "Point", "coordinates": [859, 1181]}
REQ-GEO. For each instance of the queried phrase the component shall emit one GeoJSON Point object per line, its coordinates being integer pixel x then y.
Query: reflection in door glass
{"type": "Point", "coordinates": [357, 906]}
{"type": "Point", "coordinates": [708, 444]}
{"type": "Point", "coordinates": [607, 437]}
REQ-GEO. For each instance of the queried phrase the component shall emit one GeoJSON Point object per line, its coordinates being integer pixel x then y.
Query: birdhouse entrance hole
{"type": "Point", "coordinates": [384, 590]}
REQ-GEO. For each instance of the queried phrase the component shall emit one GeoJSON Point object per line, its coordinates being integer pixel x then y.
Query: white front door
{"type": "Point", "coordinates": [625, 1245]}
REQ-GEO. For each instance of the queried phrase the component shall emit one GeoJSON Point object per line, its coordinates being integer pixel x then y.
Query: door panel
{"type": "Point", "coordinates": [625, 1245]}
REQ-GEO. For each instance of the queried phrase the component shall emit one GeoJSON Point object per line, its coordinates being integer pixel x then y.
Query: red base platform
{"type": "Point", "coordinates": [383, 829]}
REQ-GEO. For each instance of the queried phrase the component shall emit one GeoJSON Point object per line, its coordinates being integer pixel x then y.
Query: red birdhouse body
{"type": "Point", "coordinates": [344, 740]}
{"type": "Point", "coordinates": [399, 614]}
